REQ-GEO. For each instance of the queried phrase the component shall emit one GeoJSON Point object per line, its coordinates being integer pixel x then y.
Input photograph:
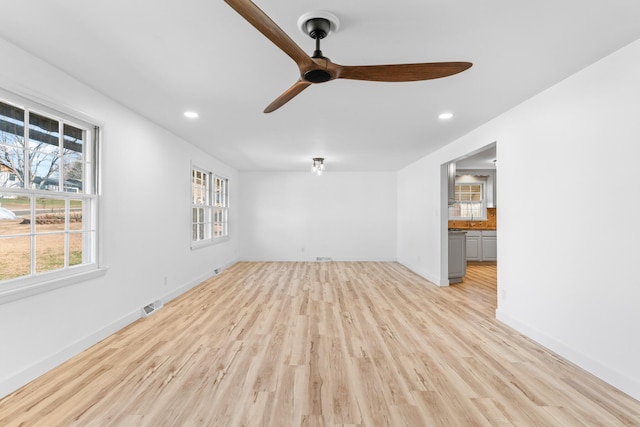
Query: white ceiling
{"type": "Point", "coordinates": [484, 159]}
{"type": "Point", "coordinates": [162, 57]}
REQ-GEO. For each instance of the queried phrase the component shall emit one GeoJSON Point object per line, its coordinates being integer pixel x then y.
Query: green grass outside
{"type": "Point", "coordinates": [48, 262]}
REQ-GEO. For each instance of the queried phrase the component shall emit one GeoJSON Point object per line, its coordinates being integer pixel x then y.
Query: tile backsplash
{"type": "Point", "coordinates": [489, 224]}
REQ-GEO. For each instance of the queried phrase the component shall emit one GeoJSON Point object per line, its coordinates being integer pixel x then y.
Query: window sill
{"type": "Point", "coordinates": [34, 286]}
{"type": "Point", "coordinates": [206, 243]}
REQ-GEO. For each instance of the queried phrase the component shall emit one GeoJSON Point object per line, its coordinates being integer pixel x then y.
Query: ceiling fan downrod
{"type": "Point", "coordinates": [317, 29]}
{"type": "Point", "coordinates": [317, 53]}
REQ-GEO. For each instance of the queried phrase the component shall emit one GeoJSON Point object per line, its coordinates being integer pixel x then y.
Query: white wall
{"type": "Point", "coordinates": [421, 211]}
{"type": "Point", "coordinates": [298, 216]}
{"type": "Point", "coordinates": [567, 245]}
{"type": "Point", "coordinates": [145, 211]}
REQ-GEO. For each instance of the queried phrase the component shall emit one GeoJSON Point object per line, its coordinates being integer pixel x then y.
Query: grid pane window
{"type": "Point", "coordinates": [201, 205]}
{"type": "Point", "coordinates": [209, 207]}
{"type": "Point", "coordinates": [469, 202]}
{"type": "Point", "coordinates": [221, 213]}
{"type": "Point", "coordinates": [48, 195]}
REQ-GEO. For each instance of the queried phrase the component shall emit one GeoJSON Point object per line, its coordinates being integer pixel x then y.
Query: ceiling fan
{"type": "Point", "coordinates": [319, 69]}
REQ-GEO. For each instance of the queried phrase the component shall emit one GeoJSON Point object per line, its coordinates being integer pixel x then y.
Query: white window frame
{"type": "Point", "coordinates": [201, 206]}
{"type": "Point", "coordinates": [37, 282]}
{"type": "Point", "coordinates": [482, 202]}
{"type": "Point", "coordinates": [220, 208]}
{"type": "Point", "coordinates": [209, 209]}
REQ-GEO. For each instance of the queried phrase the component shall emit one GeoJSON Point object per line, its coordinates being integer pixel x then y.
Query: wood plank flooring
{"type": "Point", "coordinates": [321, 344]}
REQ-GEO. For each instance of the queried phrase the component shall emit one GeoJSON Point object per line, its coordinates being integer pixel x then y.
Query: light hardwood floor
{"type": "Point", "coordinates": [317, 344]}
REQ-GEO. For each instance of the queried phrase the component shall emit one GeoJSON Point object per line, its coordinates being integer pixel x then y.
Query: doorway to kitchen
{"type": "Point", "coordinates": [470, 222]}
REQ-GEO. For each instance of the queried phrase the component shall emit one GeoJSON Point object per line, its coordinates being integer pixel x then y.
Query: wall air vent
{"type": "Point", "coordinates": [149, 309]}
{"type": "Point", "coordinates": [324, 258]}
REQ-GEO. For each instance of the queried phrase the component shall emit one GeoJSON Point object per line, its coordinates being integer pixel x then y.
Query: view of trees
{"type": "Point", "coordinates": [47, 162]}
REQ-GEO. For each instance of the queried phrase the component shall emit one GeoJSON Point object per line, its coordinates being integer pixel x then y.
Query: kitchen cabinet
{"type": "Point", "coordinates": [474, 245]}
{"type": "Point", "coordinates": [489, 246]}
{"type": "Point", "coordinates": [482, 245]}
{"type": "Point", "coordinates": [457, 258]}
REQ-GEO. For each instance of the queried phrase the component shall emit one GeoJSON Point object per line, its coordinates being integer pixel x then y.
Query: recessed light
{"type": "Point", "coordinates": [445, 116]}
{"type": "Point", "coordinates": [191, 114]}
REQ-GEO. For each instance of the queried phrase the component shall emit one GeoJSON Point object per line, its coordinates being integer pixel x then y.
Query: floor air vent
{"type": "Point", "coordinates": [149, 309]}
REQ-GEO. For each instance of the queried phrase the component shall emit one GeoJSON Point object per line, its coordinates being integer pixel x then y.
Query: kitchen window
{"type": "Point", "coordinates": [48, 196]}
{"type": "Point", "coordinates": [469, 202]}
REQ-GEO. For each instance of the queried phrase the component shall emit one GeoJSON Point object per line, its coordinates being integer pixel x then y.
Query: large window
{"type": "Point", "coordinates": [48, 197]}
{"type": "Point", "coordinates": [209, 208]}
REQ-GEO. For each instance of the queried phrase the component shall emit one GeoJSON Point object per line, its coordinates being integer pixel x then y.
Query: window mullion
{"type": "Point", "coordinates": [89, 160]}
{"type": "Point", "coordinates": [211, 181]}
{"type": "Point", "coordinates": [26, 173]}
{"type": "Point", "coordinates": [32, 232]}
{"type": "Point", "coordinates": [67, 229]}
{"type": "Point", "coordinates": [60, 156]}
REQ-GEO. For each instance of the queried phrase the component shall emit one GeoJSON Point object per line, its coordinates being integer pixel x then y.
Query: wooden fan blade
{"type": "Point", "coordinates": [287, 96]}
{"type": "Point", "coordinates": [256, 17]}
{"type": "Point", "coordinates": [400, 72]}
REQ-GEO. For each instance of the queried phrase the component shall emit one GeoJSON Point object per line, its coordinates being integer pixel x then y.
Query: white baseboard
{"type": "Point", "coordinates": [435, 280]}
{"type": "Point", "coordinates": [314, 259]}
{"type": "Point", "coordinates": [605, 373]}
{"type": "Point", "coordinates": [14, 382]}
{"type": "Point", "coordinates": [195, 282]}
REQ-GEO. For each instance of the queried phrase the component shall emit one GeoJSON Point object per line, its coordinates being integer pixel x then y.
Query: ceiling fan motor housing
{"type": "Point", "coordinates": [317, 76]}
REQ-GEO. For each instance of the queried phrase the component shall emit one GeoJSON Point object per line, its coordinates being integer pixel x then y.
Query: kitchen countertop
{"type": "Point", "coordinates": [473, 229]}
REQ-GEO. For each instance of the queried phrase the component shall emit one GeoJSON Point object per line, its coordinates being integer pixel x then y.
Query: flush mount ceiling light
{"type": "Point", "coordinates": [318, 165]}
{"type": "Point", "coordinates": [445, 116]}
{"type": "Point", "coordinates": [191, 114]}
